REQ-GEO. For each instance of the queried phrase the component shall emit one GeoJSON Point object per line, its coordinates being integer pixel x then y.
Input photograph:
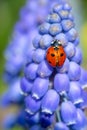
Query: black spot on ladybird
{"type": "Point", "coordinates": [52, 55]}
{"type": "Point", "coordinates": [50, 62]}
{"type": "Point", "coordinates": [61, 54]}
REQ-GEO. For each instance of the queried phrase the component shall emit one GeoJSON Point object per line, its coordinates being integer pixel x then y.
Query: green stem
{"type": "Point", "coordinates": [58, 116]}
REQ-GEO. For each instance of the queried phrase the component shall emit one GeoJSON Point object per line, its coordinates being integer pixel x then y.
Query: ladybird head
{"type": "Point", "coordinates": [56, 43]}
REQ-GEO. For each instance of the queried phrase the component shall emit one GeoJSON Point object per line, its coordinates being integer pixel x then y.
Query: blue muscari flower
{"type": "Point", "coordinates": [68, 113]}
{"type": "Point", "coordinates": [32, 105]}
{"type": "Point", "coordinates": [44, 28]}
{"type": "Point", "coordinates": [16, 53]}
{"type": "Point", "coordinates": [26, 86]}
{"type": "Point", "coordinates": [36, 40]}
{"type": "Point", "coordinates": [41, 104]}
{"type": "Point", "coordinates": [63, 86]}
{"type": "Point", "coordinates": [83, 78]}
{"type": "Point", "coordinates": [45, 41]}
{"type": "Point", "coordinates": [55, 29]}
{"type": "Point", "coordinates": [12, 95]}
{"type": "Point", "coordinates": [62, 38]}
{"type": "Point", "coordinates": [38, 55]}
{"type": "Point", "coordinates": [70, 50]}
{"type": "Point", "coordinates": [31, 15]}
{"type": "Point", "coordinates": [50, 104]}
{"type": "Point", "coordinates": [46, 120]}
{"type": "Point", "coordinates": [67, 25]}
{"type": "Point", "coordinates": [31, 71]}
{"type": "Point", "coordinates": [75, 92]}
{"type": "Point", "coordinates": [53, 18]}
{"type": "Point", "coordinates": [34, 119]}
{"type": "Point", "coordinates": [76, 42]}
{"type": "Point", "coordinates": [83, 105]}
{"type": "Point", "coordinates": [54, 89]}
{"type": "Point", "coordinates": [44, 70]}
{"type": "Point", "coordinates": [78, 56]}
{"type": "Point", "coordinates": [60, 126]}
{"type": "Point", "coordinates": [81, 121]}
{"type": "Point", "coordinates": [72, 35]}
{"type": "Point", "coordinates": [74, 72]}
{"type": "Point", "coordinates": [41, 85]}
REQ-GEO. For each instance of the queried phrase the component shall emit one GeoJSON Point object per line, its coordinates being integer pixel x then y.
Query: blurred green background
{"type": "Point", "coordinates": [9, 14]}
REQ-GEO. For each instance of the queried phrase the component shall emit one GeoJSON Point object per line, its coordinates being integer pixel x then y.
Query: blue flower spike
{"type": "Point", "coordinates": [30, 16]}
{"type": "Point", "coordinates": [56, 89]}
{"type": "Point", "coordinates": [54, 96]}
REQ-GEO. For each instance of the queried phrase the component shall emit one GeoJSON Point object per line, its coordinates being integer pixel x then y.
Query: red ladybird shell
{"type": "Point", "coordinates": [56, 56]}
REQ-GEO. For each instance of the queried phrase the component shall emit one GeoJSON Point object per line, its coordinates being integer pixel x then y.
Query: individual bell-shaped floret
{"type": "Point", "coordinates": [78, 56]}
{"type": "Point", "coordinates": [74, 71]}
{"type": "Point", "coordinates": [45, 41]}
{"type": "Point", "coordinates": [70, 50]}
{"type": "Point", "coordinates": [55, 29]}
{"type": "Point", "coordinates": [72, 35]}
{"type": "Point", "coordinates": [53, 18]}
{"type": "Point", "coordinates": [83, 78]}
{"type": "Point", "coordinates": [44, 69]}
{"type": "Point", "coordinates": [38, 55]}
{"type": "Point", "coordinates": [33, 119]}
{"type": "Point", "coordinates": [31, 71]}
{"type": "Point", "coordinates": [61, 83]}
{"type": "Point", "coordinates": [40, 87]}
{"type": "Point", "coordinates": [44, 28]}
{"type": "Point", "coordinates": [26, 86]}
{"type": "Point", "coordinates": [67, 25]}
{"type": "Point", "coordinates": [60, 126]}
{"type": "Point", "coordinates": [83, 105]}
{"type": "Point", "coordinates": [50, 102]}
{"type": "Point", "coordinates": [32, 105]}
{"type": "Point", "coordinates": [81, 122]}
{"type": "Point", "coordinates": [46, 120]}
{"type": "Point", "coordinates": [75, 93]}
{"type": "Point", "coordinates": [62, 37]}
{"type": "Point", "coordinates": [36, 41]}
{"type": "Point", "coordinates": [68, 113]}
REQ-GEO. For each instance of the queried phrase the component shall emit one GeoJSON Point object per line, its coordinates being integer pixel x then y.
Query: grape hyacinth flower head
{"type": "Point", "coordinates": [30, 16]}
{"type": "Point", "coordinates": [56, 90]}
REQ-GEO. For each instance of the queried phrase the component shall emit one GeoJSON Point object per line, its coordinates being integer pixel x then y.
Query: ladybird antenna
{"type": "Point", "coordinates": [53, 42]}
{"type": "Point", "coordinates": [59, 42]}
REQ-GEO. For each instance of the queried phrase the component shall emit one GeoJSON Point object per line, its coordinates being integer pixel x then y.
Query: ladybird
{"type": "Point", "coordinates": [56, 55]}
